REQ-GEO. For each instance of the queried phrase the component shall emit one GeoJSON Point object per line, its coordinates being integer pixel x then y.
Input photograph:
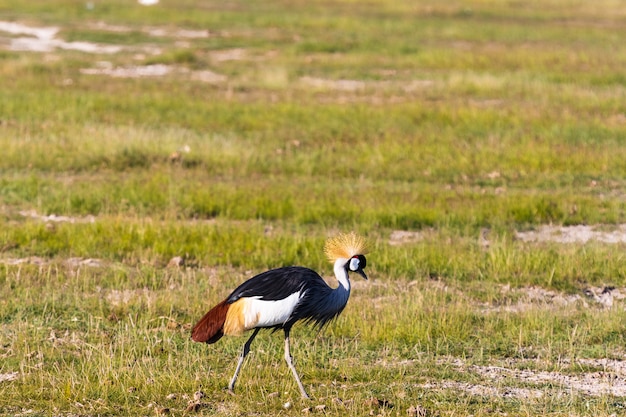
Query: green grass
{"type": "Point", "coordinates": [442, 119]}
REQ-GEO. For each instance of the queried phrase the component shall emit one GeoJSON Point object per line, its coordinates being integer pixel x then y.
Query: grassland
{"type": "Point", "coordinates": [240, 135]}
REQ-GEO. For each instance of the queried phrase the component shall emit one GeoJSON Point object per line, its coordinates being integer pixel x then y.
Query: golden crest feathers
{"type": "Point", "coordinates": [345, 245]}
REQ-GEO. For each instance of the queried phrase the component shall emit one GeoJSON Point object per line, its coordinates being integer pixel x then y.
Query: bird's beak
{"type": "Point", "coordinates": [361, 272]}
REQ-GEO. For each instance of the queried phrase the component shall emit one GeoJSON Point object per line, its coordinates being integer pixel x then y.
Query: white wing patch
{"type": "Point", "coordinates": [266, 313]}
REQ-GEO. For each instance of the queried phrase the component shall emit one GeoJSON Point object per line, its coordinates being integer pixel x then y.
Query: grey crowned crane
{"type": "Point", "coordinates": [279, 298]}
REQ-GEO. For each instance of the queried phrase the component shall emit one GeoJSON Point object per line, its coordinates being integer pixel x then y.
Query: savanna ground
{"type": "Point", "coordinates": [152, 158]}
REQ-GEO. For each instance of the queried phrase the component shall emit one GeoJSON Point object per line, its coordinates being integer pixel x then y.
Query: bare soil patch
{"type": "Point", "coordinates": [9, 376]}
{"type": "Point", "coordinates": [135, 71]}
{"type": "Point", "coordinates": [534, 297]}
{"type": "Point", "coordinates": [352, 86]}
{"type": "Point", "coordinates": [149, 71]}
{"type": "Point", "coordinates": [45, 39]}
{"type": "Point", "coordinates": [401, 237]}
{"type": "Point", "coordinates": [511, 381]}
{"type": "Point", "coordinates": [37, 260]}
{"type": "Point", "coordinates": [575, 234]}
{"type": "Point", "coordinates": [53, 218]}
{"type": "Point", "coordinates": [234, 54]}
{"type": "Point", "coordinates": [484, 390]}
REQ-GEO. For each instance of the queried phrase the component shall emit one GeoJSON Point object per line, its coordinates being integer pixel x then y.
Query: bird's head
{"type": "Point", "coordinates": [350, 250]}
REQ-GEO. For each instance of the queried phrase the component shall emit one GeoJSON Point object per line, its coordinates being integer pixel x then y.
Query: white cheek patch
{"type": "Point", "coordinates": [354, 264]}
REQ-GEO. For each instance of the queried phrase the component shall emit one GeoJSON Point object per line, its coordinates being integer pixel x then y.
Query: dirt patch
{"type": "Point", "coordinates": [528, 298]}
{"type": "Point", "coordinates": [588, 383]}
{"type": "Point", "coordinates": [36, 260]}
{"type": "Point", "coordinates": [140, 71]}
{"type": "Point", "coordinates": [31, 260]}
{"type": "Point", "coordinates": [91, 262]}
{"type": "Point", "coordinates": [361, 85]}
{"type": "Point", "coordinates": [44, 40]}
{"type": "Point", "coordinates": [9, 376]}
{"type": "Point", "coordinates": [504, 381]}
{"type": "Point", "coordinates": [484, 390]}
{"type": "Point", "coordinates": [124, 297]}
{"type": "Point", "coordinates": [235, 54]}
{"type": "Point", "coordinates": [401, 237]}
{"type": "Point", "coordinates": [53, 218]}
{"type": "Point", "coordinates": [19, 29]}
{"type": "Point", "coordinates": [532, 298]}
{"type": "Point", "coordinates": [148, 71]}
{"type": "Point", "coordinates": [338, 85]}
{"type": "Point", "coordinates": [208, 76]}
{"type": "Point", "coordinates": [152, 31]}
{"type": "Point", "coordinates": [574, 234]}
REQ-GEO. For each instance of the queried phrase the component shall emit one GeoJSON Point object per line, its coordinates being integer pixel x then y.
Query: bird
{"type": "Point", "coordinates": [278, 298]}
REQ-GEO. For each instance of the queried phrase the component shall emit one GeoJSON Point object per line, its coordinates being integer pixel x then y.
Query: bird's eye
{"type": "Point", "coordinates": [354, 264]}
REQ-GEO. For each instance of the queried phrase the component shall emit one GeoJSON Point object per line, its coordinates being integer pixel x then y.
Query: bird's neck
{"type": "Point", "coordinates": [339, 296]}
{"type": "Point", "coordinates": [342, 275]}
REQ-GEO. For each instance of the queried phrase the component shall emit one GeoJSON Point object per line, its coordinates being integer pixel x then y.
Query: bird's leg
{"type": "Point", "coordinates": [293, 368]}
{"type": "Point", "coordinates": [242, 356]}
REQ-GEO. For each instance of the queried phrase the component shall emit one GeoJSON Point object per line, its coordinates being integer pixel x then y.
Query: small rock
{"type": "Point", "coordinates": [198, 395]}
{"type": "Point", "coordinates": [171, 397]}
{"type": "Point", "coordinates": [287, 405]}
{"type": "Point", "coordinates": [320, 407]}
